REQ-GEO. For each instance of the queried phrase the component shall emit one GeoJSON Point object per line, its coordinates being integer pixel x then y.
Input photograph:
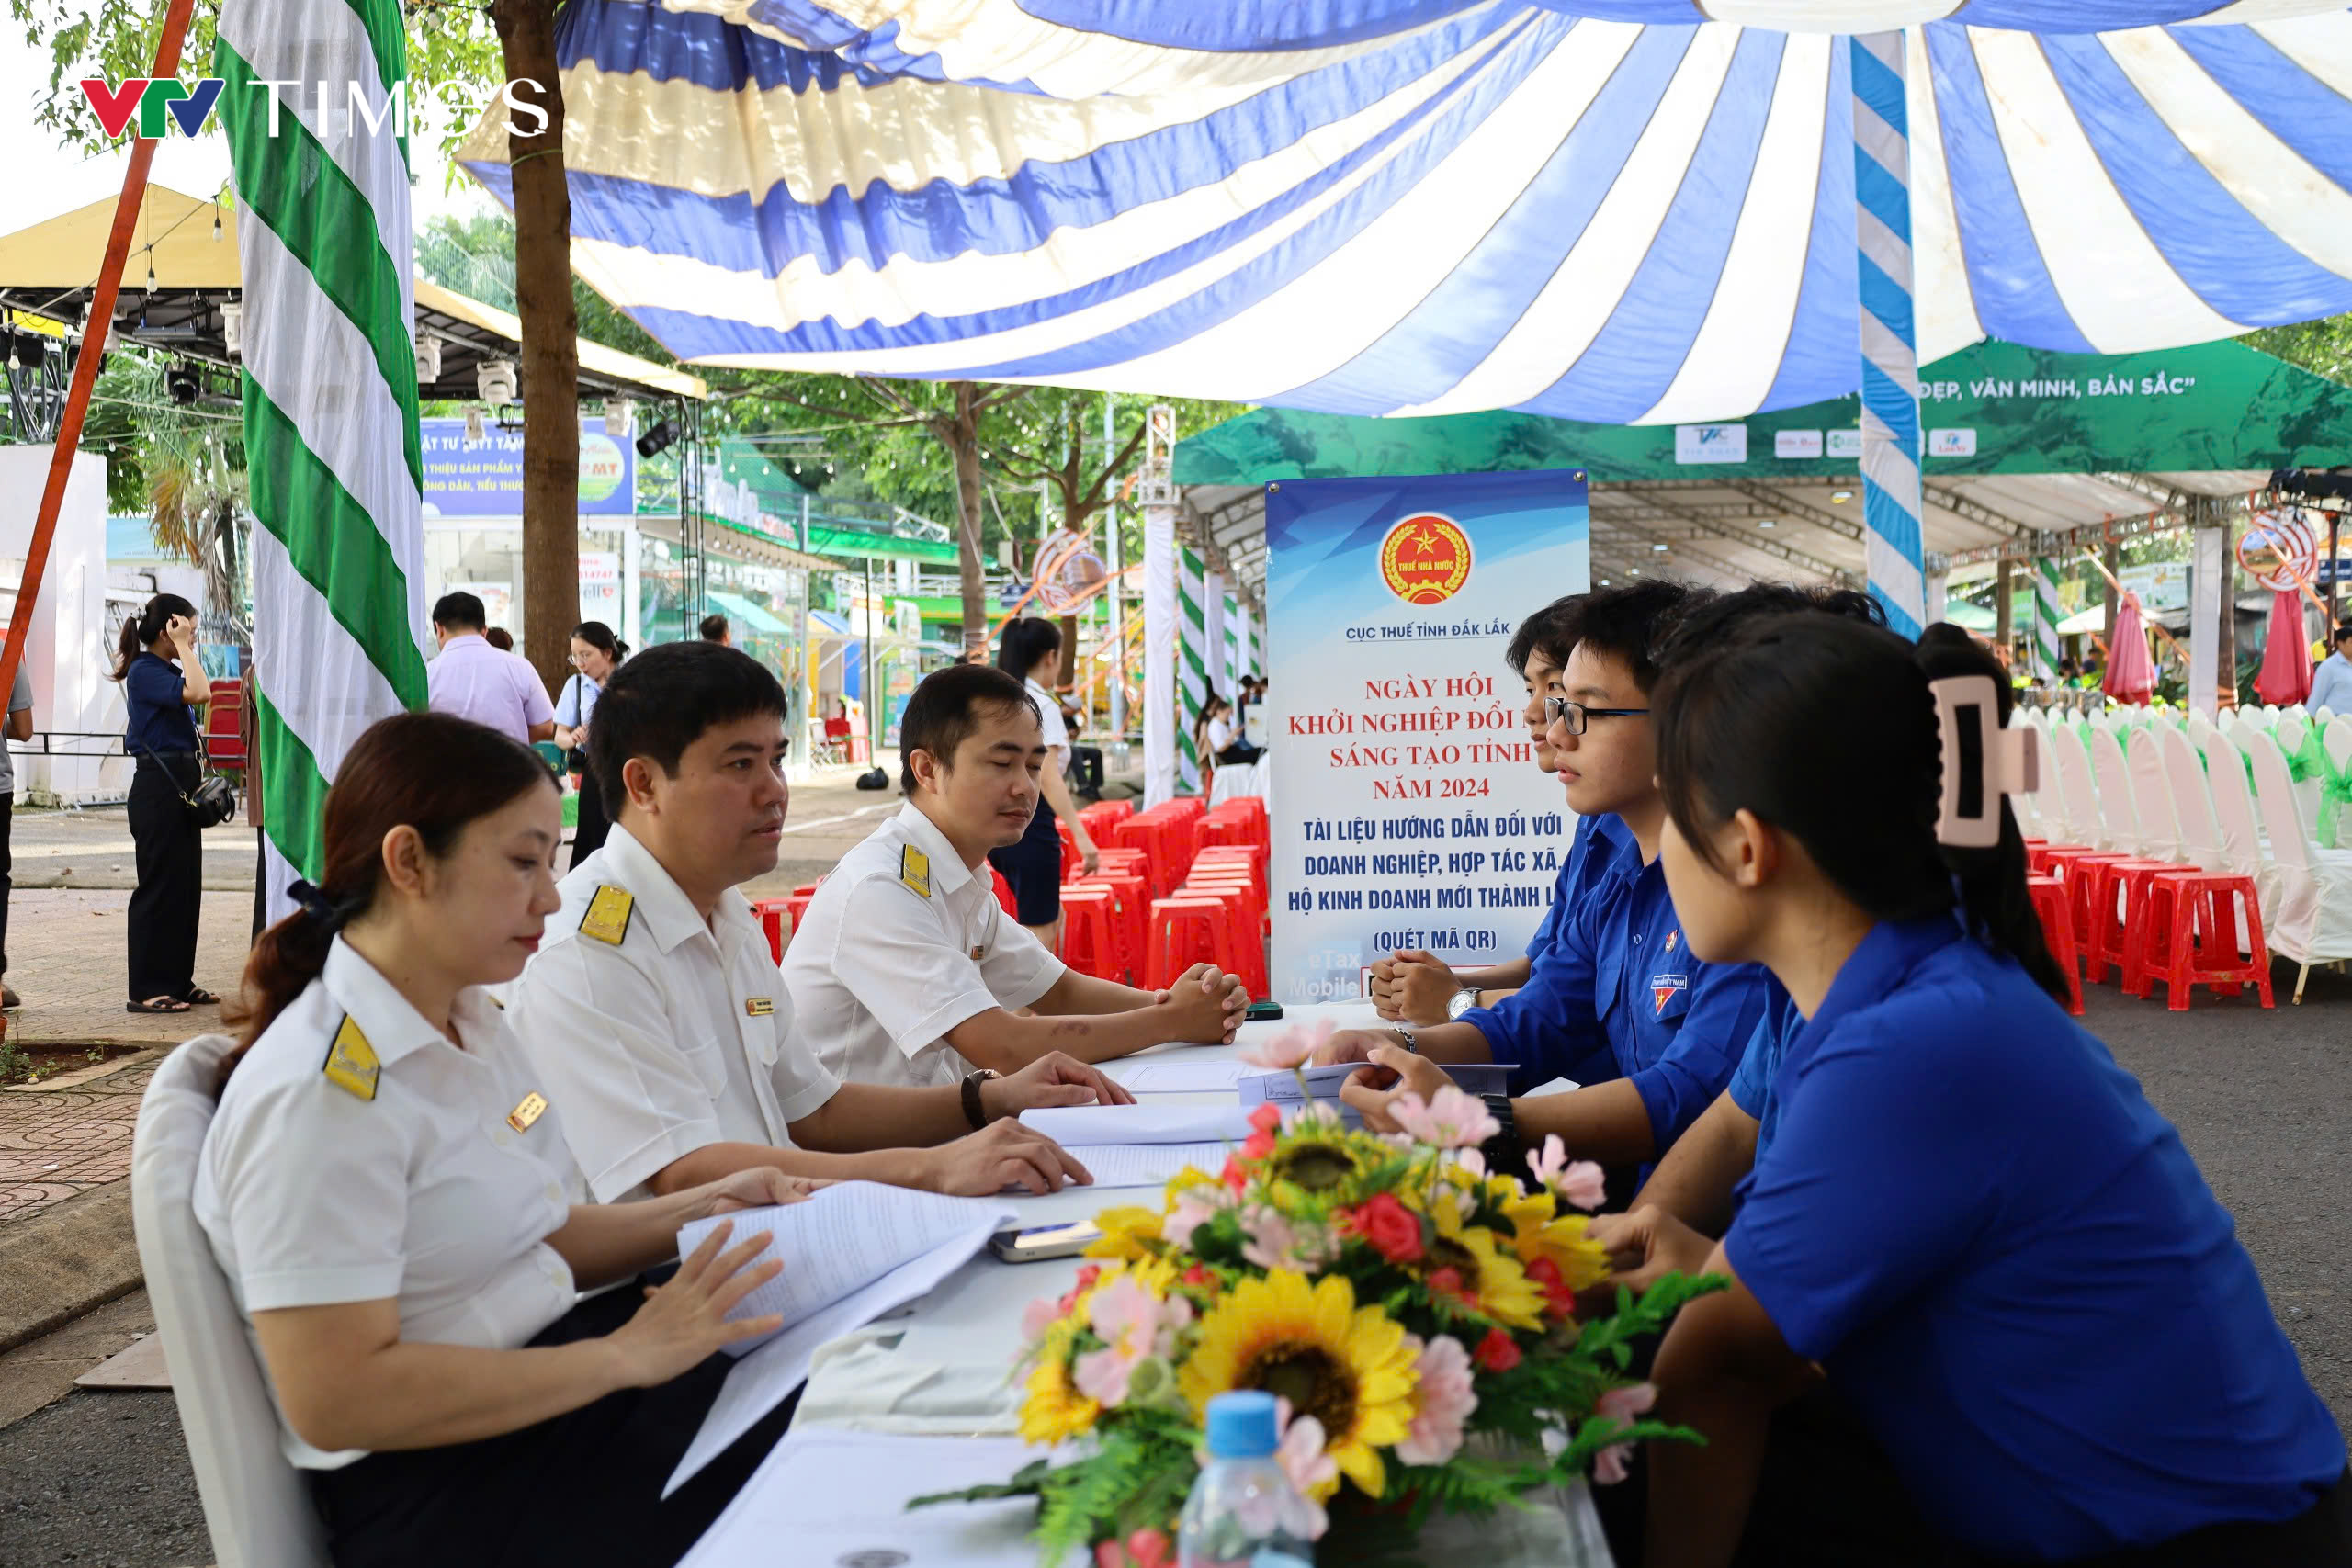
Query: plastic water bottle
{"type": "Point", "coordinates": [1243, 1512]}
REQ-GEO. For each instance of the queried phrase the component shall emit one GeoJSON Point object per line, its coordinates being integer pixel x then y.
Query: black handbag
{"type": "Point", "coordinates": [210, 803]}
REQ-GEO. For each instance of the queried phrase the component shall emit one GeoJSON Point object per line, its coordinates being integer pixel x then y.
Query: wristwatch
{"type": "Point", "coordinates": [1403, 1030]}
{"type": "Point", "coordinates": [974, 1112]}
{"type": "Point", "coordinates": [1461, 1001]}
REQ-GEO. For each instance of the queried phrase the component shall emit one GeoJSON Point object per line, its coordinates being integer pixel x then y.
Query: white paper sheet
{"type": "Point", "coordinates": [1323, 1083]}
{"type": "Point", "coordinates": [826, 1497]}
{"type": "Point", "coordinates": [1147, 1165]}
{"type": "Point", "coordinates": [1079, 1127]}
{"type": "Point", "coordinates": [1181, 1077]}
{"type": "Point", "coordinates": [843, 1239]}
{"type": "Point", "coordinates": [760, 1381]}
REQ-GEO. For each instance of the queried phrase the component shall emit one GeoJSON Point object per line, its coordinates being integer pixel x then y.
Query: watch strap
{"type": "Point", "coordinates": [1504, 1151]}
{"type": "Point", "coordinates": [974, 1112]}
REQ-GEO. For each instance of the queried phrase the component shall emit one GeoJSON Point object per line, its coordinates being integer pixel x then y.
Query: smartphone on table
{"type": "Point", "coordinates": [1041, 1242]}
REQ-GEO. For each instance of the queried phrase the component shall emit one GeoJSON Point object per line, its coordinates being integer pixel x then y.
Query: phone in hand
{"type": "Point", "coordinates": [1041, 1242]}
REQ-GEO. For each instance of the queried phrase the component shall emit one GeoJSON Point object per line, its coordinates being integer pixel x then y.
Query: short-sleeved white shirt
{"type": "Point", "coordinates": [1049, 718]}
{"type": "Point", "coordinates": [425, 1194]}
{"type": "Point", "coordinates": [893, 953]}
{"type": "Point", "coordinates": [678, 1036]}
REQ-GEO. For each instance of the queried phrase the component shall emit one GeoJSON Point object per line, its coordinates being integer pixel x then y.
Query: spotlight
{"type": "Point", "coordinates": [620, 417]}
{"type": "Point", "coordinates": [233, 330]}
{"type": "Point", "coordinates": [428, 359]}
{"type": "Point", "coordinates": [657, 440]}
{"type": "Point", "coordinates": [494, 381]}
{"type": "Point", "coordinates": [181, 383]}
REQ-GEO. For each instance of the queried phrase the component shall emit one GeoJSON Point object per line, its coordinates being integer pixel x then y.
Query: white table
{"type": "Point", "coordinates": [939, 1367]}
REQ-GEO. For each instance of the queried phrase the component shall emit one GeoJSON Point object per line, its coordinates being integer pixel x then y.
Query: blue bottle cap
{"type": "Point", "coordinates": [1241, 1425]}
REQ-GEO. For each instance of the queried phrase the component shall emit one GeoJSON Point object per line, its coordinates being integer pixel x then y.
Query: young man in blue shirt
{"type": "Point", "coordinates": [1618, 1005]}
{"type": "Point", "coordinates": [1418, 986]}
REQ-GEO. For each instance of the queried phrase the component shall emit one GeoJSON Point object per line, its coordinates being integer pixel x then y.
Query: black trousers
{"type": "Point", "coordinates": [170, 856]}
{"type": "Point", "coordinates": [1086, 769]}
{"type": "Point", "coordinates": [581, 1490]}
{"type": "Point", "coordinates": [7, 864]}
{"type": "Point", "coordinates": [588, 835]}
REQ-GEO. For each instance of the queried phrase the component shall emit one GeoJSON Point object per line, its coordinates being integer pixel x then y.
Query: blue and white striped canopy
{"type": "Point", "coordinates": [1601, 209]}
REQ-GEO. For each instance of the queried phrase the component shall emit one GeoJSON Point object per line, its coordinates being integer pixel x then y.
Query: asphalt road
{"type": "Point", "coordinates": [103, 1478]}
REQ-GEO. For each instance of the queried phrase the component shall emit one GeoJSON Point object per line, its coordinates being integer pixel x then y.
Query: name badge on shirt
{"type": "Point", "coordinates": [534, 1106]}
{"type": "Point", "coordinates": [1663, 986]}
{"type": "Point", "coordinates": [609, 913]}
{"type": "Point", "coordinates": [976, 951]}
{"type": "Point", "coordinates": [914, 869]}
{"type": "Point", "coordinates": [758, 1007]}
{"type": "Point", "coordinates": [351, 1064]}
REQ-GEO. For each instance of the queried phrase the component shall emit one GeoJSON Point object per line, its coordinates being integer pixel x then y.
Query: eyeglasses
{"type": "Point", "coordinates": [575, 660]}
{"type": "Point", "coordinates": [1574, 714]}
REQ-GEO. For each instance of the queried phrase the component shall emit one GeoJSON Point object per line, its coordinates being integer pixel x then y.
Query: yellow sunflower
{"type": "Point", "coordinates": [1326, 1159]}
{"type": "Point", "coordinates": [1538, 1230]}
{"type": "Point", "coordinates": [1347, 1366]}
{"type": "Point", "coordinates": [1127, 1233]}
{"type": "Point", "coordinates": [1493, 1280]}
{"type": "Point", "coordinates": [1054, 1411]}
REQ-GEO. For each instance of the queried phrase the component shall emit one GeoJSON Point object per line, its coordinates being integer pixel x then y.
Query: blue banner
{"type": "Point", "coordinates": [1407, 810]}
{"type": "Point", "coordinates": [484, 478]}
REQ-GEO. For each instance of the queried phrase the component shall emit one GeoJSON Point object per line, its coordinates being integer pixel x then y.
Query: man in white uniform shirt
{"type": "Point", "coordinates": [906, 970]}
{"type": "Point", "coordinates": [655, 1012]}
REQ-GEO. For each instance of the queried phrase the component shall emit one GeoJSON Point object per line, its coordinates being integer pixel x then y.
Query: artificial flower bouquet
{"type": "Point", "coordinates": [1397, 1297]}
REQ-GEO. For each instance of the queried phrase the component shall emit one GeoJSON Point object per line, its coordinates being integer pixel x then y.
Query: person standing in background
{"type": "Point", "coordinates": [472, 679]}
{"type": "Point", "coordinates": [20, 728]}
{"type": "Point", "coordinates": [714, 629]}
{"type": "Point", "coordinates": [169, 847]}
{"type": "Point", "coordinates": [2331, 683]}
{"type": "Point", "coordinates": [1031, 653]}
{"type": "Point", "coordinates": [595, 653]}
{"type": "Point", "coordinates": [500, 639]}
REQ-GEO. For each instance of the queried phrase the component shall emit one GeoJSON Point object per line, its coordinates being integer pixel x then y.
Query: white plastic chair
{"type": "Point", "coordinates": [2160, 836]}
{"type": "Point", "coordinates": [256, 1504]}
{"type": "Point", "coordinates": [2192, 800]}
{"type": "Point", "coordinates": [2314, 920]}
{"type": "Point", "coordinates": [2242, 847]}
{"type": "Point", "coordinates": [2308, 792]}
{"type": "Point", "coordinates": [2077, 797]}
{"type": "Point", "coordinates": [2119, 814]}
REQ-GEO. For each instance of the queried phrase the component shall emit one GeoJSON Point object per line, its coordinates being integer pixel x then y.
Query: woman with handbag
{"type": "Point", "coordinates": [164, 826]}
{"type": "Point", "coordinates": [596, 654]}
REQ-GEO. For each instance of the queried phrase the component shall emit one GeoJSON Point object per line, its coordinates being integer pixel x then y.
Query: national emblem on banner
{"type": "Point", "coordinates": [1425, 559]}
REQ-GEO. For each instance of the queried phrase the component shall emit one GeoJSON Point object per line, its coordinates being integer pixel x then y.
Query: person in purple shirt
{"type": "Point", "coordinates": [475, 680]}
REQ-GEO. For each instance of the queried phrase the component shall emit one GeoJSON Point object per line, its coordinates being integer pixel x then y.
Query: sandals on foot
{"type": "Point", "coordinates": [200, 997]}
{"type": "Point", "coordinates": [156, 1004]}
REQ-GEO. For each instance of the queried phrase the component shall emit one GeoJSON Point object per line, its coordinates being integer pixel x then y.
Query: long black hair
{"type": "Point", "coordinates": [1026, 643]}
{"type": "Point", "coordinates": [1824, 727]}
{"type": "Point", "coordinates": [599, 636]}
{"type": "Point", "coordinates": [144, 627]}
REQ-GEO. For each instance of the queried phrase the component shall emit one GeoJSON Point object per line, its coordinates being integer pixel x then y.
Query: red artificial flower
{"type": "Point", "coordinates": [1267, 1119]}
{"type": "Point", "coordinates": [1086, 1278]}
{"type": "Point", "coordinates": [1200, 1279]}
{"type": "Point", "coordinates": [1233, 1176]}
{"type": "Point", "coordinates": [1560, 1300]}
{"type": "Point", "coordinates": [1394, 1230]}
{"type": "Point", "coordinates": [1498, 1352]}
{"type": "Point", "coordinates": [1445, 1282]}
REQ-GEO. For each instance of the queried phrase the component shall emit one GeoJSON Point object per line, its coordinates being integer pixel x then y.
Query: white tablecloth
{"type": "Point", "coordinates": [940, 1368]}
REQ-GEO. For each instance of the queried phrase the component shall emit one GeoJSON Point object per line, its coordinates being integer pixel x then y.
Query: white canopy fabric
{"type": "Point", "coordinates": [1608, 211]}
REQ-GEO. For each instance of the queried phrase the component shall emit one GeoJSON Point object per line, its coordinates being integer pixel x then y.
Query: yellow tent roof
{"type": "Point", "coordinates": [174, 235]}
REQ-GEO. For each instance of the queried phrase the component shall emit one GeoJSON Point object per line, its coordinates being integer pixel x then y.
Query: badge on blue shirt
{"type": "Point", "coordinates": [1663, 986]}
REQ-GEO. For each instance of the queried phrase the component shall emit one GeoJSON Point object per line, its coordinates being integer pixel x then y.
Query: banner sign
{"type": "Point", "coordinates": [1406, 809]}
{"type": "Point", "coordinates": [484, 478]}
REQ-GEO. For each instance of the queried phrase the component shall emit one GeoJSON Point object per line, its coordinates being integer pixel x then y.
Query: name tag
{"type": "Point", "coordinates": [914, 869]}
{"type": "Point", "coordinates": [758, 1007]}
{"type": "Point", "coordinates": [351, 1065]}
{"type": "Point", "coordinates": [608, 912]}
{"type": "Point", "coordinates": [534, 1106]}
{"type": "Point", "coordinates": [976, 951]}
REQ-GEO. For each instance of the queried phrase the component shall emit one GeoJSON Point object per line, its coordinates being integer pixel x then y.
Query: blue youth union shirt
{"type": "Point", "coordinates": [1759, 1064]}
{"type": "Point", "coordinates": [1619, 996]}
{"type": "Point", "coordinates": [2009, 1265]}
{"type": "Point", "coordinates": [1592, 848]}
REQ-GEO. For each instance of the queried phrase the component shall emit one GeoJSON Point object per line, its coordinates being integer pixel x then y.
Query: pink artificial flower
{"type": "Point", "coordinates": [1128, 1318]}
{"type": "Point", "coordinates": [1313, 1473]}
{"type": "Point", "coordinates": [1039, 1316]}
{"type": "Point", "coordinates": [1145, 1549]}
{"type": "Point", "coordinates": [1273, 1242]}
{"type": "Point", "coordinates": [1581, 1184]}
{"type": "Point", "coordinates": [1445, 1403]}
{"type": "Point", "coordinates": [1625, 1404]}
{"type": "Point", "coordinates": [1449, 1119]}
{"type": "Point", "coordinates": [1195, 1206]}
{"type": "Point", "coordinates": [1291, 1048]}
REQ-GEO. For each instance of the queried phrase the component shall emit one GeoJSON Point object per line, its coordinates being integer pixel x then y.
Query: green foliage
{"type": "Point", "coordinates": [2322, 347]}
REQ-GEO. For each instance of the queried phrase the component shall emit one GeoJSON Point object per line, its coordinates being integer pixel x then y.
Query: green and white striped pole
{"type": "Point", "coordinates": [1192, 667]}
{"type": "Point", "coordinates": [2045, 618]}
{"type": "Point", "coordinates": [1231, 622]}
{"type": "Point", "coordinates": [330, 393]}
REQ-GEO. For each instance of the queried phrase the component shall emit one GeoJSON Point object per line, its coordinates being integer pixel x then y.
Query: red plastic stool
{"type": "Point", "coordinates": [1189, 930]}
{"type": "Point", "coordinates": [1072, 860]}
{"type": "Point", "coordinates": [2189, 938]}
{"type": "Point", "coordinates": [1240, 881]}
{"type": "Point", "coordinates": [795, 906]}
{"type": "Point", "coordinates": [2050, 904]}
{"type": "Point", "coordinates": [1247, 922]}
{"type": "Point", "coordinates": [1004, 898]}
{"type": "Point", "coordinates": [1090, 944]}
{"type": "Point", "coordinates": [772, 914]}
{"type": "Point", "coordinates": [2108, 896]}
{"type": "Point", "coordinates": [1130, 913]}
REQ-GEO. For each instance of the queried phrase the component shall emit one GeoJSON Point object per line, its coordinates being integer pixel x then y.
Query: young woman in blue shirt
{"type": "Point", "coordinates": [1970, 1220]}
{"type": "Point", "coordinates": [159, 698]}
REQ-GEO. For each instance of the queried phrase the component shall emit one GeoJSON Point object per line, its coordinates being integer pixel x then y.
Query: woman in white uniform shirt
{"type": "Point", "coordinates": [390, 1199]}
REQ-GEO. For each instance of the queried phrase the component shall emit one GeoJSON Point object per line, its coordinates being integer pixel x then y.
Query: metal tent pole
{"type": "Point", "coordinates": [1891, 485]}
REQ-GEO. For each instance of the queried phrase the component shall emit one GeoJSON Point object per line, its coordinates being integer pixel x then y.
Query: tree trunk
{"type": "Point", "coordinates": [2226, 645]}
{"type": "Point", "coordinates": [2113, 555]}
{"type": "Point", "coordinates": [2003, 627]}
{"type": "Point", "coordinates": [962, 439]}
{"type": "Point", "coordinates": [550, 368]}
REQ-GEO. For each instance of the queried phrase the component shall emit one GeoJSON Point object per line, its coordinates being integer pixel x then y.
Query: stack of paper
{"type": "Point", "coordinates": [1323, 1083]}
{"type": "Point", "coordinates": [851, 1253]}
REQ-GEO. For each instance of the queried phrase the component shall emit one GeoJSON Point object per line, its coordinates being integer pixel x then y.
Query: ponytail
{"type": "Point", "coordinates": [1996, 904]}
{"type": "Point", "coordinates": [141, 630]}
{"type": "Point", "coordinates": [432, 772]}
